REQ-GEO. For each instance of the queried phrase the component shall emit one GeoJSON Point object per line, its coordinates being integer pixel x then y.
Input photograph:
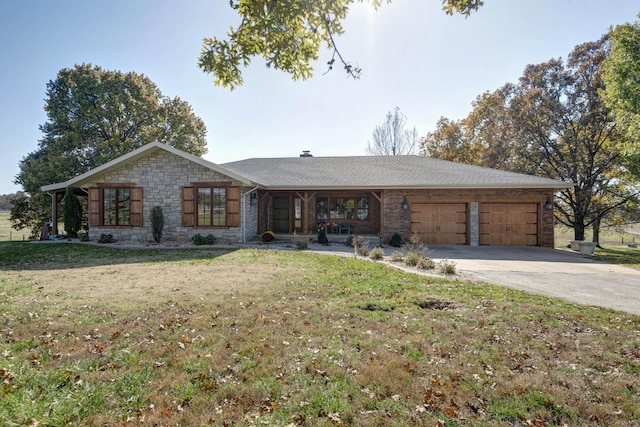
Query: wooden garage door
{"type": "Point", "coordinates": [440, 223]}
{"type": "Point", "coordinates": [509, 224]}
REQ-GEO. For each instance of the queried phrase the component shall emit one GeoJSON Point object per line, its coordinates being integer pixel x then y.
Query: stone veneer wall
{"type": "Point", "coordinates": [398, 220]}
{"type": "Point", "coordinates": [162, 176]}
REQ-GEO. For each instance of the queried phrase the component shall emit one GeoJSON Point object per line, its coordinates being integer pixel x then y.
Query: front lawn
{"type": "Point", "coordinates": [104, 336]}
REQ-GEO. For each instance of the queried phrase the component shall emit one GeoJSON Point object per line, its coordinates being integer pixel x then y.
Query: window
{"type": "Point", "coordinates": [116, 206]}
{"type": "Point", "coordinates": [297, 211]}
{"type": "Point", "coordinates": [321, 208]}
{"type": "Point", "coordinates": [342, 208]}
{"type": "Point", "coordinates": [363, 208]}
{"type": "Point", "coordinates": [212, 207]}
{"type": "Point", "coordinates": [334, 208]}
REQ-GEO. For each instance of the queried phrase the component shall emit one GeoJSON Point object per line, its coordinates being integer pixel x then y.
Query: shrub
{"type": "Point", "coordinates": [206, 240]}
{"type": "Point", "coordinates": [361, 246]}
{"type": "Point", "coordinates": [72, 213]}
{"type": "Point", "coordinates": [300, 242]}
{"type": "Point", "coordinates": [447, 267]}
{"type": "Point", "coordinates": [397, 256]}
{"type": "Point", "coordinates": [157, 223]}
{"type": "Point", "coordinates": [414, 245]}
{"type": "Point", "coordinates": [106, 238]}
{"type": "Point", "coordinates": [413, 258]}
{"type": "Point", "coordinates": [349, 241]}
{"type": "Point", "coordinates": [395, 241]}
{"type": "Point", "coordinates": [84, 237]}
{"type": "Point", "coordinates": [426, 264]}
{"type": "Point", "coordinates": [376, 253]}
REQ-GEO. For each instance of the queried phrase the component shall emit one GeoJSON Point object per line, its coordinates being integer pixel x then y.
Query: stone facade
{"type": "Point", "coordinates": [162, 175]}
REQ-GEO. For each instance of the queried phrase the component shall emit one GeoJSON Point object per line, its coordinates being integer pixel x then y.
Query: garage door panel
{"type": "Point", "coordinates": [509, 224]}
{"type": "Point", "coordinates": [440, 223]}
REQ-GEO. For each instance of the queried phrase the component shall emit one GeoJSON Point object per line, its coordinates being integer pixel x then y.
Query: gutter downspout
{"type": "Point", "coordinates": [244, 213]}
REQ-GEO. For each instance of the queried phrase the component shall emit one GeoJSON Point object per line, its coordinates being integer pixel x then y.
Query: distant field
{"type": "Point", "coordinates": [608, 236]}
{"type": "Point", "coordinates": [6, 232]}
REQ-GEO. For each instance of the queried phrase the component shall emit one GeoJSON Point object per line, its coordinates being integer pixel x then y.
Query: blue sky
{"type": "Point", "coordinates": [413, 56]}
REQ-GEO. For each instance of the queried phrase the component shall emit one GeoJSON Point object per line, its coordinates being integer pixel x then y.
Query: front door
{"type": "Point", "coordinates": [281, 213]}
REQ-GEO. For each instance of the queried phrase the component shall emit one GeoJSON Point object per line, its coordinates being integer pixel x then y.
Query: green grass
{"type": "Point", "coordinates": [6, 232]}
{"type": "Point", "coordinates": [296, 338]}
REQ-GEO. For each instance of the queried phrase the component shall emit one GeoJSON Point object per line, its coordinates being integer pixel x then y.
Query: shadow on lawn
{"type": "Point", "coordinates": [65, 255]}
{"type": "Point", "coordinates": [619, 255]}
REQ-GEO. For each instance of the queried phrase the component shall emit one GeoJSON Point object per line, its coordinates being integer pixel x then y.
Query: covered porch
{"type": "Point", "coordinates": [341, 213]}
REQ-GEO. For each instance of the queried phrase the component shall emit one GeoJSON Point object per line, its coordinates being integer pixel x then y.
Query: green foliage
{"type": "Point", "coordinates": [413, 258]}
{"type": "Point", "coordinates": [96, 115]}
{"type": "Point", "coordinates": [376, 253]}
{"type": "Point", "coordinates": [397, 256]}
{"type": "Point", "coordinates": [288, 35]}
{"type": "Point", "coordinates": [72, 213]}
{"type": "Point", "coordinates": [621, 77]}
{"type": "Point", "coordinates": [426, 264]}
{"type": "Point", "coordinates": [157, 223]}
{"type": "Point", "coordinates": [30, 211]}
{"type": "Point", "coordinates": [395, 241]}
{"type": "Point", "coordinates": [209, 239]}
{"type": "Point", "coordinates": [106, 238]}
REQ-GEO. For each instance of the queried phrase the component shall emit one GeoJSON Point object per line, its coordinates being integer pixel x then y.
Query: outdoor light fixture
{"type": "Point", "coordinates": [253, 197]}
{"type": "Point", "coordinates": [548, 205]}
{"type": "Point", "coordinates": [405, 204]}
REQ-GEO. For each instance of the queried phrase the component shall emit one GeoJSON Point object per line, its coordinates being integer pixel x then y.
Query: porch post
{"type": "Point", "coordinates": [54, 212]}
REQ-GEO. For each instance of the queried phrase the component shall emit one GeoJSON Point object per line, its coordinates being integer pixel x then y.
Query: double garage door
{"type": "Point", "coordinates": [503, 224]}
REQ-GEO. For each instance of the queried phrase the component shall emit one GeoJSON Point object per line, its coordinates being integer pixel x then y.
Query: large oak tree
{"type": "Point", "coordinates": [93, 116]}
{"type": "Point", "coordinates": [552, 123]}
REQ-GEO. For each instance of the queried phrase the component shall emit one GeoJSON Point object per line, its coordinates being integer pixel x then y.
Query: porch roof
{"type": "Point", "coordinates": [368, 172]}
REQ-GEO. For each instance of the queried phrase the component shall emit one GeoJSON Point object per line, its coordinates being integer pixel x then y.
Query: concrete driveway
{"type": "Point", "coordinates": [551, 272]}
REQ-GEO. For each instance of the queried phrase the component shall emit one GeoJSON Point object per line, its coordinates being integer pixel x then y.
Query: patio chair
{"type": "Point", "coordinates": [346, 226]}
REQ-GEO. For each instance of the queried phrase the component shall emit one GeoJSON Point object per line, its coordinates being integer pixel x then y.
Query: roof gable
{"type": "Point", "coordinates": [145, 150]}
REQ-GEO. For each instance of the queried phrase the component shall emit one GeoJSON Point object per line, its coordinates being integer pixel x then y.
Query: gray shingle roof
{"type": "Point", "coordinates": [379, 172]}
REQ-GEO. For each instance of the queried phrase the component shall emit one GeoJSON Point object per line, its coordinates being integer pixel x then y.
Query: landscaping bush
{"type": "Point", "coordinates": [397, 256]}
{"type": "Point", "coordinates": [413, 258]}
{"type": "Point", "coordinates": [206, 240]}
{"type": "Point", "coordinates": [106, 238]}
{"type": "Point", "coordinates": [157, 223]}
{"type": "Point", "coordinates": [447, 267]}
{"type": "Point", "coordinates": [395, 241]}
{"type": "Point", "coordinates": [426, 264]}
{"type": "Point", "coordinates": [72, 213]}
{"type": "Point", "coordinates": [376, 253]}
{"type": "Point", "coordinates": [349, 241]}
{"type": "Point", "coordinates": [361, 246]}
{"type": "Point", "coordinates": [301, 243]}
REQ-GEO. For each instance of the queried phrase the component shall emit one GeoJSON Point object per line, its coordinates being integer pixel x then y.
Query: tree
{"type": "Point", "coordinates": [72, 213]}
{"type": "Point", "coordinates": [553, 123]}
{"type": "Point", "coordinates": [391, 138]}
{"type": "Point", "coordinates": [288, 36]}
{"type": "Point", "coordinates": [94, 116]}
{"type": "Point", "coordinates": [622, 77]}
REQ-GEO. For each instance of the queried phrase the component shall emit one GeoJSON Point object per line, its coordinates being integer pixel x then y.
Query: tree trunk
{"type": "Point", "coordinates": [596, 231]}
{"type": "Point", "coordinates": [578, 229]}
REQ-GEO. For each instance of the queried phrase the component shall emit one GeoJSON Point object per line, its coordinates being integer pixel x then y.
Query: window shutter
{"type": "Point", "coordinates": [94, 207]}
{"type": "Point", "coordinates": [233, 207]}
{"type": "Point", "coordinates": [136, 207]}
{"type": "Point", "coordinates": [188, 206]}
